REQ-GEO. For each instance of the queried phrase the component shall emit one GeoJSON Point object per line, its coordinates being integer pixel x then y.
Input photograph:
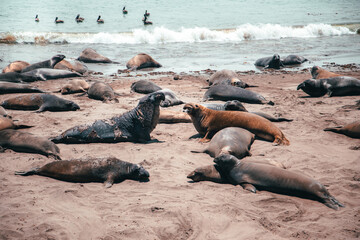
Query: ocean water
{"type": "Point", "coordinates": [185, 35]}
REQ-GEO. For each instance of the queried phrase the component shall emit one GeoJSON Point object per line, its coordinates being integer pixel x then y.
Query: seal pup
{"type": "Point", "coordinates": [142, 60]}
{"type": "Point", "coordinates": [351, 130]}
{"type": "Point", "coordinates": [44, 64]}
{"type": "Point", "coordinates": [26, 142]}
{"type": "Point", "coordinates": [74, 86]}
{"type": "Point", "coordinates": [102, 91]}
{"type": "Point", "coordinates": [89, 55]}
{"type": "Point", "coordinates": [228, 77]}
{"type": "Point", "coordinates": [10, 87]}
{"type": "Point", "coordinates": [168, 116]}
{"type": "Point", "coordinates": [144, 86]}
{"type": "Point", "coordinates": [263, 175]}
{"type": "Point", "coordinates": [319, 73]}
{"type": "Point", "coordinates": [208, 122]}
{"type": "Point", "coordinates": [335, 86]}
{"type": "Point", "coordinates": [108, 170]}
{"type": "Point", "coordinates": [16, 66]}
{"type": "Point", "coordinates": [75, 66]}
{"type": "Point", "coordinates": [16, 77]}
{"type": "Point", "coordinates": [43, 74]}
{"type": "Point", "coordinates": [7, 123]}
{"type": "Point", "coordinates": [293, 60]}
{"type": "Point", "coordinates": [132, 126]}
{"type": "Point", "coordinates": [40, 102]}
{"type": "Point", "coordinates": [269, 62]}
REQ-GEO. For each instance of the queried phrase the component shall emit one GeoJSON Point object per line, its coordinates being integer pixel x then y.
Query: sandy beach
{"type": "Point", "coordinates": [170, 206]}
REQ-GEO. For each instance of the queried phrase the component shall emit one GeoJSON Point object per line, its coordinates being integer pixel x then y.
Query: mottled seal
{"type": "Point", "coordinates": [269, 62]}
{"type": "Point", "coordinates": [263, 175]}
{"type": "Point", "coordinates": [16, 66]}
{"type": "Point", "coordinates": [144, 86]}
{"type": "Point", "coordinates": [132, 126]}
{"type": "Point", "coordinates": [293, 60]}
{"type": "Point", "coordinates": [319, 73]}
{"type": "Point", "coordinates": [350, 130]}
{"type": "Point", "coordinates": [44, 74]}
{"type": "Point", "coordinates": [102, 91]}
{"type": "Point", "coordinates": [108, 170]}
{"type": "Point", "coordinates": [40, 102]}
{"type": "Point", "coordinates": [76, 66]}
{"type": "Point", "coordinates": [228, 92]}
{"type": "Point", "coordinates": [335, 86]}
{"type": "Point", "coordinates": [75, 86]}
{"type": "Point", "coordinates": [168, 116]}
{"type": "Point", "coordinates": [170, 98]}
{"type": "Point", "coordinates": [207, 122]}
{"type": "Point", "coordinates": [89, 55]}
{"type": "Point", "coordinates": [10, 87]}
{"type": "Point", "coordinates": [16, 77]}
{"type": "Point", "coordinates": [27, 142]}
{"type": "Point", "coordinates": [44, 64]}
{"type": "Point", "coordinates": [6, 122]}
{"type": "Point", "coordinates": [227, 77]}
{"type": "Point", "coordinates": [142, 60]}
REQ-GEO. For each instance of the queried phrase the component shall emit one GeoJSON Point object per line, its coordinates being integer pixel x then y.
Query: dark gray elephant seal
{"type": "Point", "coordinates": [75, 66]}
{"type": "Point", "coordinates": [10, 87]}
{"type": "Point", "coordinates": [133, 126]}
{"type": "Point", "coordinates": [170, 98]}
{"type": "Point", "coordinates": [27, 142]}
{"type": "Point", "coordinates": [44, 64]}
{"type": "Point", "coordinates": [231, 140]}
{"type": "Point", "coordinates": [107, 170]}
{"type": "Point", "coordinates": [293, 60]}
{"type": "Point", "coordinates": [102, 91]}
{"type": "Point", "coordinates": [44, 74]}
{"type": "Point", "coordinates": [227, 92]}
{"type": "Point", "coordinates": [89, 55]}
{"type": "Point", "coordinates": [269, 62]}
{"type": "Point", "coordinates": [262, 175]}
{"type": "Point", "coordinates": [16, 66]}
{"type": "Point", "coordinates": [16, 77]}
{"type": "Point", "coordinates": [350, 130]}
{"type": "Point", "coordinates": [142, 60]}
{"type": "Point", "coordinates": [227, 77]}
{"type": "Point", "coordinates": [144, 86]}
{"type": "Point", "coordinates": [40, 102]}
{"type": "Point", "coordinates": [336, 86]}
{"type": "Point", "coordinates": [7, 123]}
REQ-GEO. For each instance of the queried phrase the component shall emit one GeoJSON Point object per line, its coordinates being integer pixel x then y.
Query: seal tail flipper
{"type": "Point", "coordinates": [110, 180]}
{"type": "Point", "coordinates": [281, 141]}
{"type": "Point", "coordinates": [249, 187]}
{"type": "Point", "coordinates": [23, 126]}
{"type": "Point", "coordinates": [331, 202]}
{"type": "Point", "coordinates": [284, 120]}
{"type": "Point", "coordinates": [33, 171]}
{"type": "Point", "coordinates": [334, 129]}
{"type": "Point", "coordinates": [270, 103]}
{"type": "Point", "coordinates": [199, 151]}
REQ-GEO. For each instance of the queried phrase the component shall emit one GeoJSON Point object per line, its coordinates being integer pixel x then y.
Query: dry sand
{"type": "Point", "coordinates": [170, 206]}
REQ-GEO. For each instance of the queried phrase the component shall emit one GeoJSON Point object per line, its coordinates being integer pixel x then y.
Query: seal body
{"type": "Point", "coordinates": [319, 73]}
{"type": "Point", "coordinates": [76, 66]}
{"type": "Point", "coordinates": [168, 116]}
{"type": "Point", "coordinates": [293, 60]}
{"type": "Point", "coordinates": [227, 77]}
{"type": "Point", "coordinates": [44, 64]}
{"type": "Point", "coordinates": [238, 172]}
{"type": "Point", "coordinates": [144, 86]}
{"type": "Point", "coordinates": [3, 112]}
{"type": "Point", "coordinates": [75, 86]}
{"type": "Point", "coordinates": [7, 123]}
{"type": "Point", "coordinates": [9, 87]}
{"type": "Point", "coordinates": [44, 74]}
{"type": "Point", "coordinates": [16, 66]}
{"type": "Point", "coordinates": [142, 60]}
{"type": "Point", "coordinates": [107, 170]}
{"type": "Point", "coordinates": [133, 126]}
{"type": "Point", "coordinates": [207, 122]}
{"type": "Point", "coordinates": [102, 91]}
{"type": "Point", "coordinates": [16, 77]}
{"type": "Point", "coordinates": [40, 102]}
{"type": "Point", "coordinates": [89, 55]}
{"type": "Point", "coordinates": [350, 130]}
{"type": "Point", "coordinates": [269, 62]}
{"type": "Point", "coordinates": [170, 98]}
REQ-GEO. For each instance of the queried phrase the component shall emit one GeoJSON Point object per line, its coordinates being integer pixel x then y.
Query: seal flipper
{"type": "Point", "coordinates": [33, 171]}
{"type": "Point", "coordinates": [331, 202]}
{"type": "Point", "coordinates": [110, 180]}
{"type": "Point", "coordinates": [249, 187]}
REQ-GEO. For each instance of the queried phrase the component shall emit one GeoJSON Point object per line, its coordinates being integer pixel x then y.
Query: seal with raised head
{"type": "Point", "coordinates": [269, 62]}
{"type": "Point", "coordinates": [44, 64]}
{"type": "Point", "coordinates": [262, 175]}
{"type": "Point", "coordinates": [75, 86]}
{"type": "Point", "coordinates": [132, 126]}
{"type": "Point", "coordinates": [26, 142]}
{"type": "Point", "coordinates": [144, 86]}
{"type": "Point", "coordinates": [76, 66]}
{"type": "Point", "coordinates": [102, 91]}
{"type": "Point", "coordinates": [319, 73]}
{"type": "Point", "coordinates": [351, 130]}
{"type": "Point", "coordinates": [293, 60]}
{"type": "Point", "coordinates": [44, 74]}
{"type": "Point", "coordinates": [7, 123]}
{"type": "Point", "coordinates": [142, 60]}
{"type": "Point", "coordinates": [208, 122]}
{"type": "Point", "coordinates": [335, 86]}
{"type": "Point", "coordinates": [227, 77]}
{"type": "Point", "coordinates": [89, 55]}
{"type": "Point", "coordinates": [10, 87]}
{"type": "Point", "coordinates": [16, 77]}
{"type": "Point", "coordinates": [40, 102]}
{"type": "Point", "coordinates": [108, 170]}
{"type": "Point", "coordinates": [16, 66]}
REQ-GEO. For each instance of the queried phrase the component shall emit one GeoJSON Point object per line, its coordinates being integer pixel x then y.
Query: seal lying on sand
{"type": "Point", "coordinates": [142, 60]}
{"type": "Point", "coordinates": [207, 122]}
{"type": "Point", "coordinates": [144, 86]}
{"type": "Point", "coordinates": [76, 66]}
{"type": "Point", "coordinates": [269, 62]}
{"type": "Point", "coordinates": [40, 102]}
{"type": "Point", "coordinates": [16, 66]}
{"type": "Point", "coordinates": [16, 77]}
{"type": "Point", "coordinates": [168, 116]}
{"type": "Point", "coordinates": [350, 130]}
{"type": "Point", "coordinates": [89, 55]}
{"type": "Point", "coordinates": [44, 64]}
{"type": "Point", "coordinates": [262, 175]}
{"type": "Point", "coordinates": [75, 86]}
{"type": "Point", "coordinates": [27, 142]}
{"type": "Point", "coordinates": [335, 86]}
{"type": "Point", "coordinates": [133, 126]}
{"type": "Point", "coordinates": [102, 91]}
{"type": "Point", "coordinates": [10, 87]}
{"type": "Point", "coordinates": [8, 123]}
{"type": "Point", "coordinates": [44, 74]}
{"type": "Point", "coordinates": [107, 170]}
{"type": "Point", "coordinates": [319, 73]}
{"type": "Point", "coordinates": [226, 77]}
{"type": "Point", "coordinates": [170, 98]}
{"type": "Point", "coordinates": [293, 60]}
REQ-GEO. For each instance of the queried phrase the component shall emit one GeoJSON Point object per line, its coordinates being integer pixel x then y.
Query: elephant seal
{"type": "Point", "coordinates": [108, 170]}
{"type": "Point", "coordinates": [269, 62]}
{"type": "Point", "coordinates": [10, 87]}
{"type": "Point", "coordinates": [207, 122]}
{"type": "Point", "coordinates": [132, 126]}
{"type": "Point", "coordinates": [40, 102]}
{"type": "Point", "coordinates": [227, 77]}
{"type": "Point", "coordinates": [75, 86]}
{"type": "Point", "coordinates": [44, 74]}
{"type": "Point", "coordinates": [142, 60]}
{"type": "Point", "coordinates": [144, 86]}
{"type": "Point", "coordinates": [231, 140]}
{"type": "Point", "coordinates": [350, 130]}
{"type": "Point", "coordinates": [319, 73]}
{"type": "Point", "coordinates": [27, 142]}
{"type": "Point", "coordinates": [102, 91]}
{"type": "Point", "coordinates": [16, 77]}
{"type": "Point", "coordinates": [293, 60]}
{"type": "Point", "coordinates": [170, 98]}
{"type": "Point", "coordinates": [7, 123]}
{"type": "Point", "coordinates": [335, 86]}
{"type": "Point", "coordinates": [44, 64]}
{"type": "Point", "coordinates": [89, 55]}
{"type": "Point", "coordinates": [168, 116]}
{"type": "Point", "coordinates": [76, 66]}
{"type": "Point", "coordinates": [227, 92]}
{"type": "Point", "coordinates": [262, 175]}
{"type": "Point", "coordinates": [16, 66]}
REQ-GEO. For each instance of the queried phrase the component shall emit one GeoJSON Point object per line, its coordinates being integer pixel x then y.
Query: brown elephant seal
{"type": "Point", "coordinates": [10, 87]}
{"type": "Point", "coordinates": [351, 130]}
{"type": "Point", "coordinates": [16, 77]}
{"type": "Point", "coordinates": [75, 86]}
{"type": "Point", "coordinates": [293, 60]}
{"type": "Point", "coordinates": [168, 116]}
{"type": "Point", "coordinates": [102, 91]}
{"type": "Point", "coordinates": [108, 170]}
{"type": "Point", "coordinates": [16, 66]}
{"type": "Point", "coordinates": [44, 64]}
{"type": "Point", "coordinates": [132, 126]}
{"type": "Point", "coordinates": [144, 86]}
{"type": "Point", "coordinates": [228, 77]}
{"type": "Point", "coordinates": [26, 142]}
{"type": "Point", "coordinates": [231, 140]}
{"type": "Point", "coordinates": [319, 73]}
{"type": "Point", "coordinates": [43, 74]}
{"type": "Point", "coordinates": [8, 123]}
{"type": "Point", "coordinates": [269, 62]}
{"type": "Point", "coordinates": [227, 92]}
{"type": "Point", "coordinates": [262, 175]}
{"type": "Point", "coordinates": [207, 122]}
{"type": "Point", "coordinates": [335, 86]}
{"type": "Point", "coordinates": [142, 60]}
{"type": "Point", "coordinates": [76, 66]}
{"type": "Point", "coordinates": [40, 102]}
{"type": "Point", "coordinates": [89, 55]}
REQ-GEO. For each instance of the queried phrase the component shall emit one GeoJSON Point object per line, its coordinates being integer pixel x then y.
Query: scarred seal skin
{"type": "Point", "coordinates": [15, 66]}
{"type": "Point", "coordinates": [351, 130]}
{"type": "Point", "coordinates": [262, 175]}
{"type": "Point", "coordinates": [133, 126]}
{"type": "Point", "coordinates": [44, 64]}
{"type": "Point", "coordinates": [319, 73]}
{"type": "Point", "coordinates": [142, 60]}
{"type": "Point", "coordinates": [108, 170]}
